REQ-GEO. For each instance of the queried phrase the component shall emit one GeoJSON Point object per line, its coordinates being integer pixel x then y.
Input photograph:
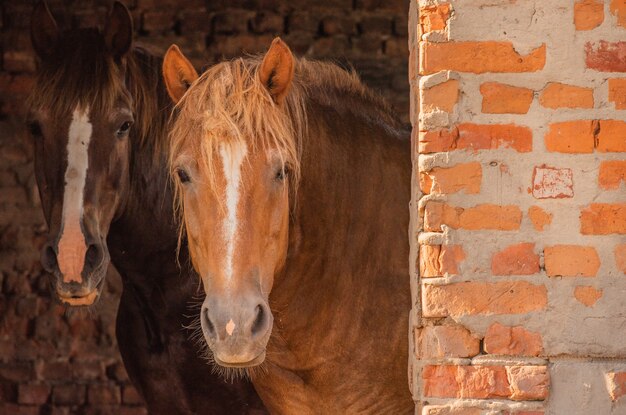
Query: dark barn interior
{"type": "Point", "coordinates": [53, 361]}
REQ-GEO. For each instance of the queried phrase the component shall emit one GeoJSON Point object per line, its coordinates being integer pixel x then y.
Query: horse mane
{"type": "Point", "coordinates": [81, 72]}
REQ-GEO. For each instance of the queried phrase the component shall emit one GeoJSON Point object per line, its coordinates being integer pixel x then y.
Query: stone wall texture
{"type": "Point", "coordinates": [57, 362]}
{"type": "Point", "coordinates": [519, 206]}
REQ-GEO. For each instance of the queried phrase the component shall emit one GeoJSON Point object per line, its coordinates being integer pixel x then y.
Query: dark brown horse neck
{"type": "Point", "coordinates": [346, 281]}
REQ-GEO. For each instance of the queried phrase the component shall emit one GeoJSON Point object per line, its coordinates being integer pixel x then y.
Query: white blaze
{"type": "Point", "coordinates": [72, 245]}
{"type": "Point", "coordinates": [230, 327]}
{"type": "Point", "coordinates": [232, 157]}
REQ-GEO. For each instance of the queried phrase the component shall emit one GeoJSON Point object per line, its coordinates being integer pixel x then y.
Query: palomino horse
{"type": "Point", "coordinates": [294, 182]}
{"type": "Point", "coordinates": [98, 116]}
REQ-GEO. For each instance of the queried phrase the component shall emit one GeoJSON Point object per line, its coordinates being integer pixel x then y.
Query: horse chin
{"type": "Point", "coordinates": [80, 301]}
{"type": "Point", "coordinates": [241, 365]}
{"type": "Point", "coordinates": [87, 299]}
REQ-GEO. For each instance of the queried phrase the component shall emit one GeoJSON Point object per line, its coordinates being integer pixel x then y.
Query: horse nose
{"type": "Point", "coordinates": [220, 324]}
{"type": "Point", "coordinates": [261, 321]}
{"type": "Point", "coordinates": [94, 256]}
{"type": "Point", "coordinates": [49, 258]}
{"type": "Point", "coordinates": [238, 333]}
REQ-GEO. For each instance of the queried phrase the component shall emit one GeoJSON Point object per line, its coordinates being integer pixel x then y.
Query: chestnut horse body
{"type": "Point", "coordinates": [106, 193]}
{"type": "Point", "coordinates": [294, 184]}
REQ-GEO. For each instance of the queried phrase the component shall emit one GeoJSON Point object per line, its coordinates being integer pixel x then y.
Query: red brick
{"type": "Point", "coordinates": [273, 23]}
{"type": "Point", "coordinates": [515, 341]}
{"type": "Point", "coordinates": [517, 259]}
{"type": "Point", "coordinates": [15, 409]}
{"type": "Point", "coordinates": [87, 369]}
{"type": "Point", "coordinates": [232, 21]}
{"type": "Point", "coordinates": [603, 219]}
{"type": "Point", "coordinates": [482, 298]}
{"type": "Point", "coordinates": [478, 57]}
{"type": "Point", "coordinates": [487, 216]}
{"type": "Point", "coordinates": [465, 382]}
{"type": "Point", "coordinates": [451, 410]}
{"type": "Point", "coordinates": [528, 382]}
{"type": "Point", "coordinates": [487, 137]}
{"type": "Point", "coordinates": [505, 99]}
{"type": "Point", "coordinates": [620, 257]}
{"type": "Point", "coordinates": [611, 137]}
{"type": "Point", "coordinates": [587, 295]}
{"type": "Point", "coordinates": [18, 61]}
{"type": "Point", "coordinates": [616, 384]}
{"type": "Point", "coordinates": [618, 9]}
{"type": "Point", "coordinates": [477, 137]}
{"type": "Point", "coordinates": [571, 136]}
{"type": "Point", "coordinates": [440, 260]}
{"type": "Point", "coordinates": [134, 410]}
{"type": "Point", "coordinates": [16, 371]}
{"type": "Point", "coordinates": [552, 183]}
{"type": "Point", "coordinates": [55, 370]}
{"type": "Point", "coordinates": [556, 95]}
{"type": "Point", "coordinates": [70, 394]}
{"type": "Point", "coordinates": [464, 177]}
{"type": "Point", "coordinates": [436, 141]}
{"type": "Point", "coordinates": [606, 56]}
{"type": "Point", "coordinates": [588, 14]}
{"type": "Point", "coordinates": [436, 342]}
{"type": "Point", "coordinates": [612, 174]}
{"type": "Point", "coordinates": [33, 394]}
{"type": "Point", "coordinates": [433, 18]}
{"type": "Point", "coordinates": [486, 382]}
{"type": "Point", "coordinates": [617, 92]}
{"type": "Point", "coordinates": [158, 21]}
{"type": "Point", "coordinates": [442, 97]}
{"type": "Point", "coordinates": [103, 393]}
{"type": "Point", "coordinates": [539, 218]}
{"type": "Point", "coordinates": [380, 24]}
{"type": "Point", "coordinates": [571, 261]}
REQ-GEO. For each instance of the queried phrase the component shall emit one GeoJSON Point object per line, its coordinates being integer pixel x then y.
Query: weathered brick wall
{"type": "Point", "coordinates": [57, 363]}
{"type": "Point", "coordinates": [519, 213]}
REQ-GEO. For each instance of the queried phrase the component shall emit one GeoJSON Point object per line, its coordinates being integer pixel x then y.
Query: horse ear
{"type": "Point", "coordinates": [43, 30]}
{"type": "Point", "coordinates": [178, 73]}
{"type": "Point", "coordinates": [118, 31]}
{"type": "Point", "coordinates": [276, 71]}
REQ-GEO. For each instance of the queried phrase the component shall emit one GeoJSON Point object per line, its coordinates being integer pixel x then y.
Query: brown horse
{"type": "Point", "coordinates": [99, 111]}
{"type": "Point", "coordinates": [293, 181]}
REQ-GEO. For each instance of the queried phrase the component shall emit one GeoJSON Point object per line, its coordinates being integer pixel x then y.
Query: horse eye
{"type": "Point", "coordinates": [35, 129]}
{"type": "Point", "coordinates": [124, 128]}
{"type": "Point", "coordinates": [282, 173]}
{"type": "Point", "coordinates": [183, 176]}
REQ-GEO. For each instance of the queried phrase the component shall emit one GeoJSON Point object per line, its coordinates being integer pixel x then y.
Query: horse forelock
{"type": "Point", "coordinates": [81, 73]}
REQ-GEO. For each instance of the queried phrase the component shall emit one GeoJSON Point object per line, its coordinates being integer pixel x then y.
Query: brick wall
{"type": "Point", "coordinates": [52, 362]}
{"type": "Point", "coordinates": [519, 208]}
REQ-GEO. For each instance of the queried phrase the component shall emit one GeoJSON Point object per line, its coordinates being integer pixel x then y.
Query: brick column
{"type": "Point", "coordinates": [519, 208]}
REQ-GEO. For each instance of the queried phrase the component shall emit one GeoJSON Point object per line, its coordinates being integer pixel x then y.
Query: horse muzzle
{"type": "Point", "coordinates": [81, 287]}
{"type": "Point", "coordinates": [236, 330]}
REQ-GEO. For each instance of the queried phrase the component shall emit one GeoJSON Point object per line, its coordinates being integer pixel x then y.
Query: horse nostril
{"type": "Point", "coordinates": [259, 320]}
{"type": "Point", "coordinates": [94, 256]}
{"type": "Point", "coordinates": [210, 328]}
{"type": "Point", "coordinates": [49, 259]}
